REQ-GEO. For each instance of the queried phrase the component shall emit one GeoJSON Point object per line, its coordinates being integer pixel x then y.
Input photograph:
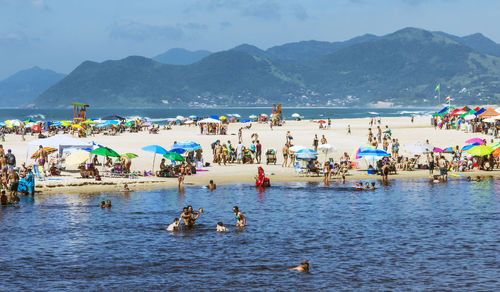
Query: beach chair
{"type": "Point", "coordinates": [300, 170]}
{"type": "Point", "coordinates": [38, 170]}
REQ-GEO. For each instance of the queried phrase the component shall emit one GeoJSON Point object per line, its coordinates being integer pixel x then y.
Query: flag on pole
{"type": "Point", "coordinates": [447, 98]}
{"type": "Point", "coordinates": [437, 88]}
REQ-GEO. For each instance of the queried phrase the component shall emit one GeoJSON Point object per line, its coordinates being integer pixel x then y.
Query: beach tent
{"type": "Point", "coordinates": [209, 121]}
{"type": "Point", "coordinates": [488, 113]}
{"type": "Point", "coordinates": [60, 142]}
{"type": "Point", "coordinates": [480, 111]}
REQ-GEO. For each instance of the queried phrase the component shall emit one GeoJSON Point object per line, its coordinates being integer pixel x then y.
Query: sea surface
{"type": "Point", "coordinates": [410, 235]}
{"type": "Point", "coordinates": [163, 114]}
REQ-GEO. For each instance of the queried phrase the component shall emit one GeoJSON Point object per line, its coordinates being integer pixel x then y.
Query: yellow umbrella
{"type": "Point", "coordinates": [65, 123]}
{"type": "Point", "coordinates": [77, 157]}
{"type": "Point", "coordinates": [77, 126]}
{"type": "Point", "coordinates": [89, 122]}
{"type": "Point", "coordinates": [222, 118]}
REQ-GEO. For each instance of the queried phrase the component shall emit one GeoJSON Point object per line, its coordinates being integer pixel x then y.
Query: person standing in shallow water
{"type": "Point", "coordinates": [241, 220]}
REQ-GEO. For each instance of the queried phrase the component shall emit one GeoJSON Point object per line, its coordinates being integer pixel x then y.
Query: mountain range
{"type": "Point", "coordinates": [401, 68]}
{"type": "Point", "coordinates": [26, 85]}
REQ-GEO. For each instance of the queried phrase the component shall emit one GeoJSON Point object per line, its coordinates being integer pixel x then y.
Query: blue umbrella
{"type": "Point", "coordinates": [214, 117]}
{"type": "Point", "coordinates": [192, 117]}
{"type": "Point", "coordinates": [156, 149]}
{"type": "Point", "coordinates": [177, 150]}
{"type": "Point", "coordinates": [245, 121]}
{"type": "Point", "coordinates": [186, 146]}
{"type": "Point", "coordinates": [373, 152]}
{"type": "Point", "coordinates": [467, 147]}
{"type": "Point", "coordinates": [306, 154]}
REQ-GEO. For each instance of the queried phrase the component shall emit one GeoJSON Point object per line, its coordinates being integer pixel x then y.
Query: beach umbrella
{"type": "Point", "coordinates": [449, 149]}
{"type": "Point", "coordinates": [186, 146]}
{"type": "Point", "coordinates": [252, 116]}
{"type": "Point", "coordinates": [129, 155]}
{"type": "Point", "coordinates": [177, 150]}
{"type": "Point", "coordinates": [296, 148]}
{"type": "Point", "coordinates": [469, 117]}
{"type": "Point", "coordinates": [321, 122]}
{"type": "Point", "coordinates": [156, 149]}
{"type": "Point", "coordinates": [468, 147]}
{"type": "Point", "coordinates": [263, 115]}
{"type": "Point", "coordinates": [2, 124]}
{"type": "Point", "coordinates": [326, 149]}
{"type": "Point", "coordinates": [496, 153]}
{"type": "Point", "coordinates": [360, 149]}
{"type": "Point", "coordinates": [494, 145]}
{"type": "Point", "coordinates": [481, 150]}
{"type": "Point", "coordinates": [76, 126]}
{"type": "Point", "coordinates": [65, 123]}
{"type": "Point", "coordinates": [236, 116]}
{"type": "Point", "coordinates": [215, 117]}
{"type": "Point", "coordinates": [16, 123]}
{"type": "Point", "coordinates": [373, 152]}
{"type": "Point", "coordinates": [475, 140]}
{"type": "Point", "coordinates": [88, 122]}
{"type": "Point", "coordinates": [305, 154]}
{"type": "Point", "coordinates": [130, 123]}
{"type": "Point", "coordinates": [222, 118]}
{"type": "Point", "coordinates": [189, 122]}
{"type": "Point", "coordinates": [47, 149]}
{"type": "Point", "coordinates": [437, 150]}
{"type": "Point", "coordinates": [28, 121]}
{"type": "Point", "coordinates": [180, 118]}
{"type": "Point", "coordinates": [36, 128]}
{"type": "Point", "coordinates": [29, 125]}
{"type": "Point", "coordinates": [418, 148]}
{"type": "Point", "coordinates": [105, 151]}
{"type": "Point", "coordinates": [245, 121]}
{"type": "Point", "coordinates": [295, 115]}
{"type": "Point", "coordinates": [174, 156]}
{"type": "Point", "coordinates": [193, 117]}
{"type": "Point", "coordinates": [77, 157]}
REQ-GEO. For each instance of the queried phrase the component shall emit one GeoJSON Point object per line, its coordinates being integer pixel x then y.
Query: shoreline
{"type": "Point", "coordinates": [89, 186]}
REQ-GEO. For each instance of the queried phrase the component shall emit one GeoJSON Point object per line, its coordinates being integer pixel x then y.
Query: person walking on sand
{"type": "Point", "coordinates": [348, 129]}
{"type": "Point", "coordinates": [315, 142]}
{"type": "Point", "coordinates": [286, 152]}
{"type": "Point", "coordinates": [258, 152]}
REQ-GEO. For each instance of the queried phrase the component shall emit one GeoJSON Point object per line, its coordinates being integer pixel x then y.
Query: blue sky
{"type": "Point", "coordinates": [60, 34]}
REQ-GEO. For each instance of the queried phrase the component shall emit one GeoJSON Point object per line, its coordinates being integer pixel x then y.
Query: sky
{"type": "Point", "coordinates": [61, 34]}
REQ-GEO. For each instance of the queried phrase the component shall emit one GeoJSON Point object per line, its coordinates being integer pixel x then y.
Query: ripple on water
{"type": "Point", "coordinates": [409, 235]}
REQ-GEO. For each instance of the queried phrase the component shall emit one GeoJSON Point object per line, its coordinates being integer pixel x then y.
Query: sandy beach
{"type": "Point", "coordinates": [302, 132]}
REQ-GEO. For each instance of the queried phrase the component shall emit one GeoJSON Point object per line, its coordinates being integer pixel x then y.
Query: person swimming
{"type": "Point", "coordinates": [174, 225]}
{"type": "Point", "coordinates": [221, 227]}
{"type": "Point", "coordinates": [126, 188]}
{"type": "Point", "coordinates": [188, 216]}
{"type": "Point", "coordinates": [103, 204]}
{"type": "Point", "coordinates": [373, 186]}
{"type": "Point", "coordinates": [108, 204]}
{"type": "Point", "coordinates": [241, 220]}
{"type": "Point", "coordinates": [367, 186]}
{"type": "Point", "coordinates": [211, 186]}
{"type": "Point", "coordinates": [303, 267]}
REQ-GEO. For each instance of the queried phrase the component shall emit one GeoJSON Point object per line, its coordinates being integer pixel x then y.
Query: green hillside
{"type": "Point", "coordinates": [402, 68]}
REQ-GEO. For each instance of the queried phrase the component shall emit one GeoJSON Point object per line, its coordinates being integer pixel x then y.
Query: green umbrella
{"type": "Point", "coordinates": [128, 124]}
{"type": "Point", "coordinates": [481, 150]}
{"type": "Point", "coordinates": [174, 156]}
{"type": "Point", "coordinates": [105, 151]}
{"type": "Point", "coordinates": [128, 155]}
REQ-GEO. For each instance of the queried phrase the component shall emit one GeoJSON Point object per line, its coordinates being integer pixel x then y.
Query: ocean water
{"type": "Point", "coordinates": [410, 235]}
{"type": "Point", "coordinates": [161, 114]}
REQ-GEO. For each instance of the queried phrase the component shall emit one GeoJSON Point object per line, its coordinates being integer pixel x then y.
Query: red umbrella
{"type": "Point", "coordinates": [321, 122]}
{"type": "Point", "coordinates": [36, 128]}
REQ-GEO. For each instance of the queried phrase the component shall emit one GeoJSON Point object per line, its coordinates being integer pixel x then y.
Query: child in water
{"type": "Point", "coordinates": [221, 227]}
{"type": "Point", "coordinates": [303, 267]}
{"type": "Point", "coordinates": [174, 225]}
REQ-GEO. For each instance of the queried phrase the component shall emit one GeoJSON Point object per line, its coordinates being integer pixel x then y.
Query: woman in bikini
{"type": "Point", "coordinates": [241, 220]}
